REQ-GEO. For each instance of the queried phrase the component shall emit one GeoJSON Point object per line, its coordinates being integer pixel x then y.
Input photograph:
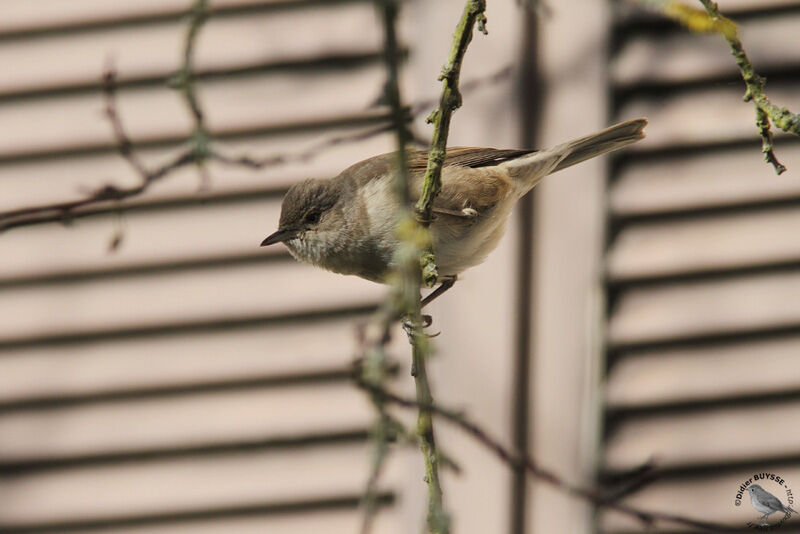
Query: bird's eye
{"type": "Point", "coordinates": [312, 217]}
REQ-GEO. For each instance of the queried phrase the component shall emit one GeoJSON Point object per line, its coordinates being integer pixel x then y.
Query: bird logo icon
{"type": "Point", "coordinates": [766, 503]}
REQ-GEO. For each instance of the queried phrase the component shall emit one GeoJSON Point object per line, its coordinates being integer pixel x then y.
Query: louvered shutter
{"type": "Point", "coordinates": [702, 278]}
{"type": "Point", "coordinates": [189, 381]}
{"type": "Point", "coordinates": [176, 385]}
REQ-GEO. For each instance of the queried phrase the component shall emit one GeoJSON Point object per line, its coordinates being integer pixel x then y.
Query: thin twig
{"type": "Point", "coordinates": [450, 101]}
{"type": "Point", "coordinates": [374, 372]}
{"type": "Point", "coordinates": [66, 211]}
{"type": "Point", "coordinates": [415, 110]}
{"type": "Point", "coordinates": [185, 81]}
{"type": "Point", "coordinates": [521, 460]}
{"type": "Point", "coordinates": [63, 210]}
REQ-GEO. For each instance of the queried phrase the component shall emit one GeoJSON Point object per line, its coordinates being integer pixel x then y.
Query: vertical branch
{"type": "Point", "coordinates": [438, 519]}
{"type": "Point", "coordinates": [450, 101]}
{"type": "Point", "coordinates": [404, 300]}
{"type": "Point", "coordinates": [415, 250]}
{"type": "Point", "coordinates": [413, 243]}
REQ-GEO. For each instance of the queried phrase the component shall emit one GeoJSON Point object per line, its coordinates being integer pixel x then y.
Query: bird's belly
{"type": "Point", "coordinates": [461, 244]}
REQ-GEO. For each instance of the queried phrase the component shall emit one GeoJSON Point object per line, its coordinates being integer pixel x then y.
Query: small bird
{"type": "Point", "coordinates": [766, 503]}
{"type": "Point", "coordinates": [347, 224]}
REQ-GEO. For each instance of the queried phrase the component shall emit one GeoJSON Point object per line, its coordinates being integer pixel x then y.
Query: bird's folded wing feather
{"type": "Point", "coordinates": [479, 188]}
{"type": "Point", "coordinates": [465, 156]}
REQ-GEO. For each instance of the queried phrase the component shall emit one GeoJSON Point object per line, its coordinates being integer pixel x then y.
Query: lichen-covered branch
{"type": "Point", "coordinates": [711, 20]}
{"type": "Point", "coordinates": [373, 366]}
{"type": "Point", "coordinates": [404, 299]}
{"type": "Point", "coordinates": [438, 519]}
{"type": "Point", "coordinates": [450, 101]}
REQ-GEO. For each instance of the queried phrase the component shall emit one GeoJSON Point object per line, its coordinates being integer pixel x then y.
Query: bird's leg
{"type": "Point", "coordinates": [446, 284]}
{"type": "Point", "coordinates": [427, 320]}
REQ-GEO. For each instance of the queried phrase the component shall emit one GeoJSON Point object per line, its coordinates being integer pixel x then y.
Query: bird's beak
{"type": "Point", "coordinates": [279, 237]}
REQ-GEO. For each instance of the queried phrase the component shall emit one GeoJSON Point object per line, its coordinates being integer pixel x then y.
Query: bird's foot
{"type": "Point", "coordinates": [410, 327]}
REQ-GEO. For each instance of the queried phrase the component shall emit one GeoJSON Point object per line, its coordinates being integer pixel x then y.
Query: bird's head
{"type": "Point", "coordinates": [754, 489]}
{"type": "Point", "coordinates": [311, 221]}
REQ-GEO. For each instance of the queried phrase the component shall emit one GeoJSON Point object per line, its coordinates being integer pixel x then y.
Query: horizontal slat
{"type": "Point", "coordinates": [220, 481]}
{"type": "Point", "coordinates": [54, 180]}
{"type": "Point", "coordinates": [162, 299]}
{"type": "Point", "coordinates": [687, 310]}
{"type": "Point", "coordinates": [632, 14]}
{"type": "Point", "coordinates": [680, 57]}
{"type": "Point", "coordinates": [75, 59]}
{"type": "Point", "coordinates": [277, 514]}
{"type": "Point", "coordinates": [704, 116]}
{"type": "Point", "coordinates": [709, 435]}
{"type": "Point", "coordinates": [77, 121]}
{"type": "Point", "coordinates": [682, 375]}
{"type": "Point", "coordinates": [290, 351]}
{"type": "Point", "coordinates": [708, 498]}
{"type": "Point", "coordinates": [19, 15]}
{"type": "Point", "coordinates": [333, 521]}
{"type": "Point", "coordinates": [183, 327]}
{"type": "Point", "coordinates": [200, 231]}
{"type": "Point", "coordinates": [182, 421]}
{"type": "Point", "coordinates": [705, 244]}
{"type": "Point", "coordinates": [703, 181]}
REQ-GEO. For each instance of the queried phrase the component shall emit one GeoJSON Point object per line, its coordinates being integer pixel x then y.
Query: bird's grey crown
{"type": "Point", "coordinates": [303, 198]}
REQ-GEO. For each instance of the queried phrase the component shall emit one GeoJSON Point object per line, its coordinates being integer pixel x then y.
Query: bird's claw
{"type": "Point", "coordinates": [410, 327]}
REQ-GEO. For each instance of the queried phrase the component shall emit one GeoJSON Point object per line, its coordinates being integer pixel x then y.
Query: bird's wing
{"type": "Point", "coordinates": [461, 156]}
{"type": "Point", "coordinates": [477, 188]}
{"type": "Point", "coordinates": [471, 157]}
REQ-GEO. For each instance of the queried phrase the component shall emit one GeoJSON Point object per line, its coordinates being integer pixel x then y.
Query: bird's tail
{"type": "Point", "coordinates": [530, 169]}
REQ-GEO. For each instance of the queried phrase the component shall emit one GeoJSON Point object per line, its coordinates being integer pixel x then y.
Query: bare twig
{"type": "Point", "coordinates": [67, 211]}
{"type": "Point", "coordinates": [373, 371]}
{"type": "Point", "coordinates": [184, 80]}
{"type": "Point", "coordinates": [109, 192]}
{"type": "Point", "coordinates": [197, 153]}
{"type": "Point", "coordinates": [521, 460]}
{"type": "Point", "coordinates": [415, 110]}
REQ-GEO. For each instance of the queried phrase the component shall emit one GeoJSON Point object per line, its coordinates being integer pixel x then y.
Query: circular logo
{"type": "Point", "coordinates": [770, 498]}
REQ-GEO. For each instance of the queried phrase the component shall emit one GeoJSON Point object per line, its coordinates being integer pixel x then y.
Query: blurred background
{"type": "Point", "coordinates": [642, 307]}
